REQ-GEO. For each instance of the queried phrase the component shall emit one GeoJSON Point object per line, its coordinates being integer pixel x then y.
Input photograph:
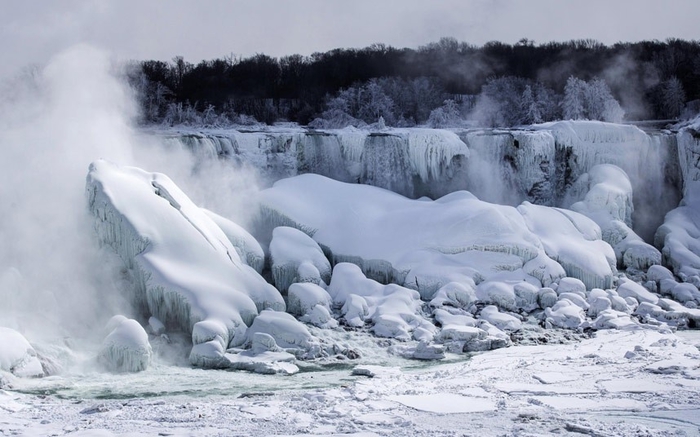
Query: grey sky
{"type": "Point", "coordinates": [31, 31]}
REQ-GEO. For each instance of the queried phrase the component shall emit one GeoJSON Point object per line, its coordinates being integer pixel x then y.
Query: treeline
{"type": "Point", "coordinates": [442, 83]}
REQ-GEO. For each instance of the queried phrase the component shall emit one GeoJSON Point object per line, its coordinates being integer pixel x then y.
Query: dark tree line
{"type": "Point", "coordinates": [649, 79]}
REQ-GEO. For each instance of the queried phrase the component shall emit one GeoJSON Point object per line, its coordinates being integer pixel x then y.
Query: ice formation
{"type": "Point", "coordinates": [605, 194]}
{"type": "Point", "coordinates": [126, 348]}
{"type": "Point", "coordinates": [678, 235]}
{"type": "Point", "coordinates": [574, 241]}
{"type": "Point", "coordinates": [457, 271]}
{"type": "Point", "coordinates": [312, 304]}
{"type": "Point", "coordinates": [248, 248]}
{"type": "Point", "coordinates": [288, 333]}
{"type": "Point", "coordinates": [185, 269]}
{"type": "Point", "coordinates": [451, 239]}
{"type": "Point", "coordinates": [17, 356]}
{"type": "Point", "coordinates": [296, 257]}
{"type": "Point", "coordinates": [392, 310]}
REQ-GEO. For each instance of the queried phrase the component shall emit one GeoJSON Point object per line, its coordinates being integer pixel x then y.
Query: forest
{"type": "Point", "coordinates": [442, 84]}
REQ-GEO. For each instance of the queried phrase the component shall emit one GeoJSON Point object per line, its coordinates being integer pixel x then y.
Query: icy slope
{"type": "Point", "coordinates": [185, 269]}
{"type": "Point", "coordinates": [424, 244]}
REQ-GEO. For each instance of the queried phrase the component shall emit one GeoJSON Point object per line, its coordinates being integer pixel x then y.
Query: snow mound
{"type": "Point", "coordinates": [312, 304]}
{"type": "Point", "coordinates": [264, 357]}
{"type": "Point", "coordinates": [295, 255]}
{"type": "Point", "coordinates": [574, 241]}
{"type": "Point", "coordinates": [287, 332]}
{"type": "Point", "coordinates": [126, 348]}
{"type": "Point", "coordinates": [17, 356]}
{"type": "Point", "coordinates": [419, 244]}
{"type": "Point", "coordinates": [184, 267]}
{"type": "Point", "coordinates": [392, 309]}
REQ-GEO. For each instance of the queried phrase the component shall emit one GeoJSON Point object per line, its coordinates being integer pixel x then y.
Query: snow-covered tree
{"type": "Point", "coordinates": [672, 97]}
{"type": "Point", "coordinates": [573, 105]}
{"type": "Point", "coordinates": [446, 115]}
{"type": "Point", "coordinates": [530, 107]}
{"type": "Point", "coordinates": [374, 103]}
{"type": "Point", "coordinates": [600, 103]}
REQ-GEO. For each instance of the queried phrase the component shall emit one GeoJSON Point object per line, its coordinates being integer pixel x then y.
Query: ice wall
{"type": "Point", "coordinates": [538, 164]}
{"type": "Point", "coordinates": [413, 162]}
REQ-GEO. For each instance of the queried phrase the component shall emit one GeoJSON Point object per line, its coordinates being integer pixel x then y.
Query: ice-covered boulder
{"type": "Point", "coordinates": [565, 314]}
{"type": "Point", "coordinates": [17, 356]}
{"type": "Point", "coordinates": [311, 304]}
{"type": "Point", "coordinates": [126, 348]}
{"type": "Point", "coordinates": [185, 269]}
{"type": "Point", "coordinates": [288, 333]}
{"type": "Point", "coordinates": [680, 234]}
{"type": "Point", "coordinates": [392, 309]}
{"type": "Point", "coordinates": [248, 248]}
{"type": "Point", "coordinates": [632, 289]}
{"type": "Point", "coordinates": [574, 241]}
{"type": "Point", "coordinates": [294, 256]}
{"type": "Point", "coordinates": [264, 356]}
{"type": "Point", "coordinates": [502, 321]}
{"type": "Point", "coordinates": [455, 294]}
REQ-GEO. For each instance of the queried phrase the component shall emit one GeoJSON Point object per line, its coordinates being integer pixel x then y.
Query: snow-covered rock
{"type": "Point", "coordinates": [502, 321]}
{"type": "Point", "coordinates": [312, 304]}
{"type": "Point", "coordinates": [126, 348]}
{"type": "Point", "coordinates": [295, 255]}
{"type": "Point", "coordinates": [574, 241]}
{"type": "Point", "coordinates": [288, 333]}
{"type": "Point", "coordinates": [392, 309]}
{"type": "Point", "coordinates": [456, 294]}
{"type": "Point", "coordinates": [17, 356]}
{"type": "Point", "coordinates": [632, 289]}
{"type": "Point", "coordinates": [565, 314]}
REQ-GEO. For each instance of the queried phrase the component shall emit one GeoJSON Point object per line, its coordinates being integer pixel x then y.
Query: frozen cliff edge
{"type": "Point", "coordinates": [184, 269]}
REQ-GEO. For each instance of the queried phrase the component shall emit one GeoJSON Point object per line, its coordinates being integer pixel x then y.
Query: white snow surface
{"type": "Point", "coordinates": [605, 385]}
{"type": "Point", "coordinates": [427, 244]}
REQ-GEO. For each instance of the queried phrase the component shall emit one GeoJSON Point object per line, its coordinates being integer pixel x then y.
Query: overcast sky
{"type": "Point", "coordinates": [31, 31]}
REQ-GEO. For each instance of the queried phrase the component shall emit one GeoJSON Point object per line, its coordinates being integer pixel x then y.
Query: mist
{"type": "Point", "coordinates": [55, 282]}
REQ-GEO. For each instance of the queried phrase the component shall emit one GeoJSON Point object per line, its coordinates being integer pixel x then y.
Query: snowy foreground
{"type": "Point", "coordinates": [366, 309]}
{"type": "Point", "coordinates": [617, 383]}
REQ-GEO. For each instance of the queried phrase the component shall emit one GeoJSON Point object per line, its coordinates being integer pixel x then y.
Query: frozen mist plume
{"type": "Point", "coordinates": [54, 121]}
